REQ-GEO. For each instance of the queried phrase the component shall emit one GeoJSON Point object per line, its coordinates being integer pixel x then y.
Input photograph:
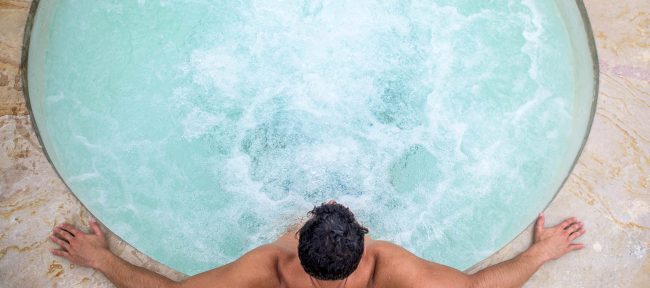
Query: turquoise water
{"type": "Point", "coordinates": [197, 130]}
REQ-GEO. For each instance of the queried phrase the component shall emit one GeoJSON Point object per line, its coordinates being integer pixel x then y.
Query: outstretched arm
{"type": "Point", "coordinates": [549, 244]}
{"type": "Point", "coordinates": [91, 250]}
{"type": "Point", "coordinates": [396, 267]}
{"type": "Point", "coordinates": [255, 269]}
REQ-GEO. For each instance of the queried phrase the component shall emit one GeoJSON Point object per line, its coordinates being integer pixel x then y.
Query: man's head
{"type": "Point", "coordinates": [331, 242]}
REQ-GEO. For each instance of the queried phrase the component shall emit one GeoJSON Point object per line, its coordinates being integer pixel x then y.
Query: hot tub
{"type": "Point", "coordinates": [198, 131]}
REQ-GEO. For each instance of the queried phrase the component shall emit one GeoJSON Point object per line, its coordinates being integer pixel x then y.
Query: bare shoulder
{"type": "Point", "coordinates": [398, 267]}
{"type": "Point", "coordinates": [256, 268]}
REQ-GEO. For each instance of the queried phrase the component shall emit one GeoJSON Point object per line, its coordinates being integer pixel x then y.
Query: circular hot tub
{"type": "Point", "coordinates": [199, 130]}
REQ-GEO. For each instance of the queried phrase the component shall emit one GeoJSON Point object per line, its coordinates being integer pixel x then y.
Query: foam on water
{"type": "Point", "coordinates": [198, 130]}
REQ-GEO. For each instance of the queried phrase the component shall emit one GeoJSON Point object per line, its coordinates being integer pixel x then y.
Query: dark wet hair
{"type": "Point", "coordinates": [331, 242]}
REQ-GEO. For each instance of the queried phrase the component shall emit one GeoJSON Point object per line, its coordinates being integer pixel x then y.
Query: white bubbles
{"type": "Point", "coordinates": [428, 119]}
{"type": "Point", "coordinates": [198, 122]}
{"type": "Point", "coordinates": [238, 172]}
{"type": "Point", "coordinates": [533, 33]}
{"type": "Point", "coordinates": [218, 68]}
{"type": "Point", "coordinates": [83, 177]}
{"type": "Point", "coordinates": [364, 108]}
{"type": "Point", "coordinates": [540, 96]}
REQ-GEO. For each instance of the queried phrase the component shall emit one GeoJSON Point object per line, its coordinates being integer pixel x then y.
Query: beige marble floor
{"type": "Point", "coordinates": [609, 188]}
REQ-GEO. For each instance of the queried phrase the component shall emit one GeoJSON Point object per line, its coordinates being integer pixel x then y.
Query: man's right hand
{"type": "Point", "coordinates": [84, 249]}
{"type": "Point", "coordinates": [554, 242]}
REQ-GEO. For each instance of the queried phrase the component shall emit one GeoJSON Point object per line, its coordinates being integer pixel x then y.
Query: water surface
{"type": "Point", "coordinates": [197, 130]}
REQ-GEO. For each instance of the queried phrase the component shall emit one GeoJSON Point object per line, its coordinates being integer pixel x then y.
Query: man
{"type": "Point", "coordinates": [329, 250]}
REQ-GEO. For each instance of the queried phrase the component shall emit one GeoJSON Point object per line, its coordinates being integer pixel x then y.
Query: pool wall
{"type": "Point", "coordinates": [585, 79]}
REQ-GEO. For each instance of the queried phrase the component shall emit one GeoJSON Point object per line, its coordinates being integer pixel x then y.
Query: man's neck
{"type": "Point", "coordinates": [315, 283]}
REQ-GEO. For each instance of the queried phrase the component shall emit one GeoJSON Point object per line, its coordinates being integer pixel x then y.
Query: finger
{"type": "Point", "coordinates": [573, 228]}
{"type": "Point", "coordinates": [566, 223]}
{"type": "Point", "coordinates": [576, 246]}
{"type": "Point", "coordinates": [63, 244]}
{"type": "Point", "coordinates": [95, 227]}
{"type": "Point", "coordinates": [60, 253]}
{"type": "Point", "coordinates": [69, 228]}
{"type": "Point", "coordinates": [539, 226]}
{"type": "Point", "coordinates": [62, 234]}
{"type": "Point", "coordinates": [577, 234]}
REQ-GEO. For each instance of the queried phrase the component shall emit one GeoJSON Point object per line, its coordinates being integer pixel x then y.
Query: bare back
{"type": "Point", "coordinates": [383, 264]}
